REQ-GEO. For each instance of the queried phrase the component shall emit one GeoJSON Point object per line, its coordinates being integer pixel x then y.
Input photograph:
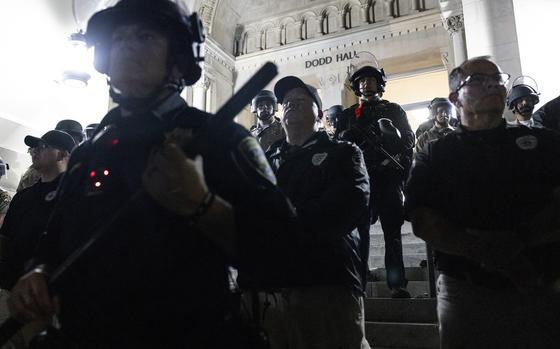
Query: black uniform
{"type": "Point", "coordinates": [494, 179]}
{"type": "Point", "coordinates": [24, 223]}
{"type": "Point", "coordinates": [386, 179]}
{"type": "Point", "coordinates": [327, 182]}
{"type": "Point", "coordinates": [549, 115]}
{"type": "Point", "coordinates": [153, 280]}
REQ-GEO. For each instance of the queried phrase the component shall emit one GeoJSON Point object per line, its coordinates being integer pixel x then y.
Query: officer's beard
{"type": "Point", "coordinates": [265, 118]}
{"type": "Point", "coordinates": [369, 95]}
{"type": "Point", "coordinates": [525, 112]}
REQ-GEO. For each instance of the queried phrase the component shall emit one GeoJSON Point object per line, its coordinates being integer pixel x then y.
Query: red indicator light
{"type": "Point", "coordinates": [92, 174]}
{"type": "Point", "coordinates": [115, 141]}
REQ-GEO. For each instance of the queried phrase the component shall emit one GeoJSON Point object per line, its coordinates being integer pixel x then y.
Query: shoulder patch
{"type": "Point", "coordinates": [527, 142]}
{"type": "Point", "coordinates": [254, 155]}
{"type": "Point", "coordinates": [318, 158]}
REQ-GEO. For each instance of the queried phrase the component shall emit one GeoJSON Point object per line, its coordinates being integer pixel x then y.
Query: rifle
{"type": "Point", "coordinates": [370, 138]}
{"type": "Point", "coordinates": [222, 118]}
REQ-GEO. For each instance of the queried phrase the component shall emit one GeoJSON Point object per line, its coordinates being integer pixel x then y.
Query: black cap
{"type": "Point", "coordinates": [69, 126]}
{"type": "Point", "coordinates": [55, 138]}
{"type": "Point", "coordinates": [289, 83]}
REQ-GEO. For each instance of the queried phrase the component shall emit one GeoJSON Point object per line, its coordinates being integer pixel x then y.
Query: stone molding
{"type": "Point", "coordinates": [344, 40]}
{"type": "Point", "coordinates": [350, 14]}
{"type": "Point", "coordinates": [454, 24]}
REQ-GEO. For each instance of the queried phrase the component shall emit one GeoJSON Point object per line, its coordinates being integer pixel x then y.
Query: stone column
{"type": "Point", "coordinates": [490, 30]}
{"type": "Point", "coordinates": [341, 16]}
{"type": "Point", "coordinates": [456, 29]}
{"type": "Point", "coordinates": [453, 20]}
{"type": "Point", "coordinates": [200, 90]}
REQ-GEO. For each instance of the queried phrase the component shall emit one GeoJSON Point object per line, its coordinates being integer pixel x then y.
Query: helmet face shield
{"type": "Point", "coordinates": [364, 64]}
{"type": "Point", "coordinates": [522, 86]}
{"type": "Point", "coordinates": [185, 33]}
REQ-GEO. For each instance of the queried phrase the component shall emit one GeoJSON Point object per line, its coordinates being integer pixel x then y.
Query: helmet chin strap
{"type": "Point", "coordinates": [143, 104]}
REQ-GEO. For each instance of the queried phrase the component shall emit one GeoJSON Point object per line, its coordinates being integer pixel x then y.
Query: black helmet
{"type": "Point", "coordinates": [4, 167]}
{"type": "Point", "coordinates": [368, 71]}
{"type": "Point", "coordinates": [334, 113]}
{"type": "Point", "coordinates": [520, 91]}
{"type": "Point", "coordinates": [264, 94]}
{"type": "Point", "coordinates": [437, 102]}
{"type": "Point", "coordinates": [185, 33]}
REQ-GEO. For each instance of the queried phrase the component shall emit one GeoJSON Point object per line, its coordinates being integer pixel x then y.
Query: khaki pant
{"type": "Point", "coordinates": [327, 317]}
{"type": "Point", "coordinates": [476, 317]}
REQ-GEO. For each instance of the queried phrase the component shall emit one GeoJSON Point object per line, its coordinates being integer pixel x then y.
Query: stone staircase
{"type": "Point", "coordinates": [400, 323]}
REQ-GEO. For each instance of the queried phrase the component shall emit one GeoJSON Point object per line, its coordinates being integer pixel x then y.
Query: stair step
{"type": "Point", "coordinates": [376, 238]}
{"type": "Point", "coordinates": [411, 248]}
{"type": "Point", "coordinates": [402, 335]}
{"type": "Point", "coordinates": [411, 273]}
{"type": "Point", "coordinates": [416, 310]}
{"type": "Point", "coordinates": [410, 260]}
{"type": "Point", "coordinates": [379, 289]}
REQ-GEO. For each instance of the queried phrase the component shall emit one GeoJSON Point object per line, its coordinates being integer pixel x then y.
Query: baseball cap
{"type": "Point", "coordinates": [70, 126]}
{"type": "Point", "coordinates": [55, 138]}
{"type": "Point", "coordinates": [284, 85]}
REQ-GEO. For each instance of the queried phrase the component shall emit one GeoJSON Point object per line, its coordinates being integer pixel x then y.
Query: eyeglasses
{"type": "Point", "coordinates": [38, 148]}
{"type": "Point", "coordinates": [484, 79]}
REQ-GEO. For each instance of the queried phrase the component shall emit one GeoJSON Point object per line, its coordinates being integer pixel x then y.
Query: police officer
{"type": "Point", "coordinates": [158, 275]}
{"type": "Point", "coordinates": [428, 124]}
{"type": "Point", "coordinates": [334, 114]}
{"type": "Point", "coordinates": [328, 184]}
{"type": "Point", "coordinates": [74, 129]}
{"type": "Point", "coordinates": [382, 131]}
{"type": "Point", "coordinates": [30, 209]}
{"type": "Point", "coordinates": [521, 100]}
{"type": "Point", "coordinates": [473, 196]}
{"type": "Point", "coordinates": [441, 110]}
{"type": "Point", "coordinates": [268, 128]}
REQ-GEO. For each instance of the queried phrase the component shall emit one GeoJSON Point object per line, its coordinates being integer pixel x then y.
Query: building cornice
{"type": "Point", "coordinates": [346, 39]}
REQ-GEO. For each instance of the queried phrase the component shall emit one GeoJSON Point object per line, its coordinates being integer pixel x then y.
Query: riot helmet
{"type": "Point", "coordinates": [523, 86]}
{"type": "Point", "coordinates": [334, 113]}
{"type": "Point", "coordinates": [439, 101]}
{"type": "Point", "coordinates": [264, 95]}
{"type": "Point", "coordinates": [364, 64]}
{"type": "Point", "coordinates": [185, 33]}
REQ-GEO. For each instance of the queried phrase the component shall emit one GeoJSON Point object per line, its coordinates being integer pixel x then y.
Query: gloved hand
{"type": "Point", "coordinates": [388, 129]}
{"type": "Point", "coordinates": [172, 179]}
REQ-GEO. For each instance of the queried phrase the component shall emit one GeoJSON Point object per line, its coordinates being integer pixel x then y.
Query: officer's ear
{"type": "Point", "coordinates": [454, 98]}
{"type": "Point", "coordinates": [317, 112]}
{"type": "Point", "coordinates": [176, 74]}
{"type": "Point", "coordinates": [62, 155]}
